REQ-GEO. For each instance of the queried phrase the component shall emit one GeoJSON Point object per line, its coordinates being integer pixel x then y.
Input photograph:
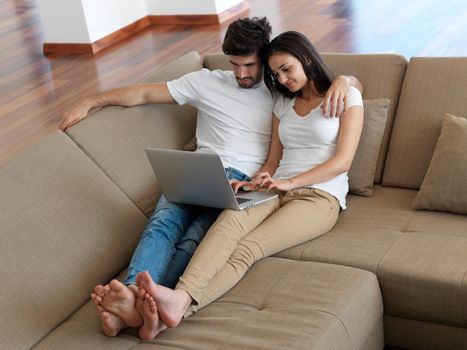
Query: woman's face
{"type": "Point", "coordinates": [288, 71]}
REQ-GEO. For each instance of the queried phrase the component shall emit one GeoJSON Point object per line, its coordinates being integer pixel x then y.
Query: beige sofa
{"type": "Point", "coordinates": [74, 205]}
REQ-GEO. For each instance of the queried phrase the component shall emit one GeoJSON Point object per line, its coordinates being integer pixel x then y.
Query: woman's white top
{"type": "Point", "coordinates": [309, 141]}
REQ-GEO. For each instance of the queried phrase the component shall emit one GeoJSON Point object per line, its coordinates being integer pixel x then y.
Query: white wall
{"type": "Point", "coordinates": [222, 5]}
{"type": "Point", "coordinates": [103, 17]}
{"type": "Point", "coordinates": [180, 7]}
{"type": "Point", "coordinates": [86, 21]}
{"type": "Point", "coordinates": [189, 7]}
{"type": "Point", "coordinates": [63, 21]}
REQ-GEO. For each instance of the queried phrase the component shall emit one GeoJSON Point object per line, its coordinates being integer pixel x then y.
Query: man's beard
{"type": "Point", "coordinates": [246, 82]}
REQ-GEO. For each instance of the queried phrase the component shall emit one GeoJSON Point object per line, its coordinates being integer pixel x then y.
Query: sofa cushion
{"type": "Point", "coordinates": [116, 137]}
{"type": "Point", "coordinates": [432, 87]}
{"type": "Point", "coordinates": [363, 169]}
{"type": "Point", "coordinates": [380, 74]}
{"type": "Point", "coordinates": [420, 257]}
{"type": "Point", "coordinates": [445, 185]}
{"type": "Point", "coordinates": [65, 228]}
{"type": "Point", "coordinates": [278, 304]}
{"type": "Point", "coordinates": [423, 277]}
{"type": "Point", "coordinates": [411, 334]}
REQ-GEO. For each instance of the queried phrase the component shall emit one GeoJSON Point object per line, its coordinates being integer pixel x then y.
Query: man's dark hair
{"type": "Point", "coordinates": [247, 36]}
{"type": "Point", "coordinates": [299, 46]}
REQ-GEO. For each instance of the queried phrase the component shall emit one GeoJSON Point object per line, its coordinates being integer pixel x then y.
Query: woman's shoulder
{"type": "Point", "coordinates": [283, 105]}
{"type": "Point", "coordinates": [354, 97]}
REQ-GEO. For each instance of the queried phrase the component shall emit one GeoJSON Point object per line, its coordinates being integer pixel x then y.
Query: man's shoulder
{"type": "Point", "coordinates": [217, 74]}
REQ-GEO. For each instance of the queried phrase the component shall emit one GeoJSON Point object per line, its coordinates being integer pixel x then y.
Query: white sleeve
{"type": "Point", "coordinates": [354, 97]}
{"type": "Point", "coordinates": [186, 89]}
{"type": "Point", "coordinates": [282, 105]}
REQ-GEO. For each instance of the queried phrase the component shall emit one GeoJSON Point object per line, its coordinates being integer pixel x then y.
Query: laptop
{"type": "Point", "coordinates": [199, 178]}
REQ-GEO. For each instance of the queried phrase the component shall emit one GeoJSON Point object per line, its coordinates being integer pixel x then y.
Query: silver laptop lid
{"type": "Point", "coordinates": [199, 178]}
{"type": "Point", "coordinates": [192, 178]}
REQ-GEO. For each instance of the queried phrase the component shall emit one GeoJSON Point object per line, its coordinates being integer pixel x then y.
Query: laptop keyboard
{"type": "Point", "coordinates": [241, 200]}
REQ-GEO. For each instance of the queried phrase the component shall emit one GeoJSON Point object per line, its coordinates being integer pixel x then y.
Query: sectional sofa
{"type": "Point", "coordinates": [73, 207]}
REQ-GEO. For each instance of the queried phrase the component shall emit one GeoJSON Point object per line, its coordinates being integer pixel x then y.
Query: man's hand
{"type": "Point", "coordinates": [76, 113]}
{"type": "Point", "coordinates": [335, 101]}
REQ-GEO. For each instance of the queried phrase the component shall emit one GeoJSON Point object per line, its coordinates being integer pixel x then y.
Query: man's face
{"type": "Point", "coordinates": [248, 70]}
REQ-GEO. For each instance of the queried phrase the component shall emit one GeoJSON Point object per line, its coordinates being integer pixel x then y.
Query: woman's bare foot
{"type": "Point", "coordinates": [119, 300]}
{"type": "Point", "coordinates": [171, 304]}
{"type": "Point", "coordinates": [152, 324]}
{"type": "Point", "coordinates": [111, 324]}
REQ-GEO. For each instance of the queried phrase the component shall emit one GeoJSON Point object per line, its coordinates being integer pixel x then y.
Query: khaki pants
{"type": "Point", "coordinates": [240, 238]}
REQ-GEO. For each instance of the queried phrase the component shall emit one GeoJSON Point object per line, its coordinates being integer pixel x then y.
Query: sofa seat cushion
{"type": "Point", "coordinates": [420, 257]}
{"type": "Point", "coordinates": [278, 304]}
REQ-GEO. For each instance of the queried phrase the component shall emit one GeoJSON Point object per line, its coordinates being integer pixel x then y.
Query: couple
{"type": "Point", "coordinates": [242, 118]}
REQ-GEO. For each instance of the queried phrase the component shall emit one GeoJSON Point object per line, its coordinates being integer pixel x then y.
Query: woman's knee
{"type": "Point", "coordinates": [246, 254]}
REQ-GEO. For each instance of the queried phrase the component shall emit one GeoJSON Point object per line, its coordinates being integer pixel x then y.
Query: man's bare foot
{"type": "Point", "coordinates": [111, 324]}
{"type": "Point", "coordinates": [98, 294]}
{"type": "Point", "coordinates": [147, 308]}
{"type": "Point", "coordinates": [171, 304]}
{"type": "Point", "coordinates": [120, 300]}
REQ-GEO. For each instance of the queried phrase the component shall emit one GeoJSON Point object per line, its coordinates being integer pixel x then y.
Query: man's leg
{"type": "Point", "coordinates": [157, 245]}
{"type": "Point", "coordinates": [187, 245]}
{"type": "Point", "coordinates": [153, 253]}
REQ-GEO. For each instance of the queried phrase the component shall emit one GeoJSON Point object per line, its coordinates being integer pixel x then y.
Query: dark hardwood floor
{"type": "Point", "coordinates": [35, 90]}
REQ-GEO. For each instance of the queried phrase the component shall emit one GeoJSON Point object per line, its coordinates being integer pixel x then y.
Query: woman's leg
{"type": "Point", "coordinates": [304, 214]}
{"type": "Point", "coordinates": [219, 243]}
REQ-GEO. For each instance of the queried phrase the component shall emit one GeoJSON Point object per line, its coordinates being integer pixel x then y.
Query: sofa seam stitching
{"type": "Point", "coordinates": [93, 159]}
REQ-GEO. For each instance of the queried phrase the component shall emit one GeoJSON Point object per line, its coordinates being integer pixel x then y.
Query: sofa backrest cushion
{"type": "Point", "coordinates": [433, 86]}
{"type": "Point", "coordinates": [65, 227]}
{"type": "Point", "coordinates": [380, 74]}
{"type": "Point", "coordinates": [116, 137]}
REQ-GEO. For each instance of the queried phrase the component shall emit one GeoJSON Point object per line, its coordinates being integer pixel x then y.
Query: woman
{"type": "Point", "coordinates": [308, 161]}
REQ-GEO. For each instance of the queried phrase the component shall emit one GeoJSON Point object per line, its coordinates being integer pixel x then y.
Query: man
{"type": "Point", "coordinates": [234, 119]}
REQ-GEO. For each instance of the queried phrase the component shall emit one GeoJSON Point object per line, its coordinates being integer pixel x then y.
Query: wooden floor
{"type": "Point", "coordinates": [35, 90]}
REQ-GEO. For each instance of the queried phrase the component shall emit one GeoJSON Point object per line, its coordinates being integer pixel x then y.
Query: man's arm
{"type": "Point", "coordinates": [125, 96]}
{"type": "Point", "coordinates": [335, 101]}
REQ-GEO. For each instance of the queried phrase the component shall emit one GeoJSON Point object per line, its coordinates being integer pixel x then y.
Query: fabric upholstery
{"type": "Point", "coordinates": [363, 169]}
{"type": "Point", "coordinates": [279, 304]}
{"type": "Point", "coordinates": [380, 74]}
{"type": "Point", "coordinates": [432, 87]}
{"type": "Point", "coordinates": [413, 334]}
{"type": "Point", "coordinates": [445, 185]}
{"type": "Point", "coordinates": [116, 137]}
{"type": "Point", "coordinates": [65, 228]}
{"type": "Point", "coordinates": [420, 257]}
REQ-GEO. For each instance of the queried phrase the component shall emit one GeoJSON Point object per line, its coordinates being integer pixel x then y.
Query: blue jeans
{"type": "Point", "coordinates": [170, 238]}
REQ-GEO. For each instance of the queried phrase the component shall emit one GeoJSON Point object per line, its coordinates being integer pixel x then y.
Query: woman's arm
{"type": "Point", "coordinates": [349, 135]}
{"type": "Point", "coordinates": [275, 150]}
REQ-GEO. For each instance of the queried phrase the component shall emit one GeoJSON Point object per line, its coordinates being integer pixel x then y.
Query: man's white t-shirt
{"type": "Point", "coordinates": [232, 121]}
{"type": "Point", "coordinates": [309, 141]}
